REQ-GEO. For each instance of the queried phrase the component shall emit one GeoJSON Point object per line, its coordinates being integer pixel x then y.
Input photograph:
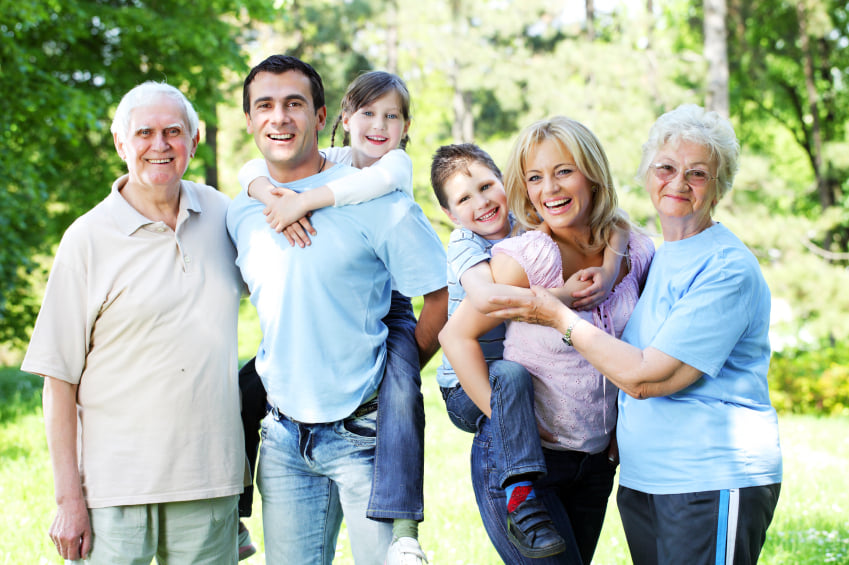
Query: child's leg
{"type": "Point", "coordinates": [517, 449]}
{"type": "Point", "coordinates": [462, 411]}
{"type": "Point", "coordinates": [514, 427]}
{"type": "Point", "coordinates": [397, 488]}
{"type": "Point", "coordinates": [492, 504]}
{"type": "Point", "coordinates": [253, 411]}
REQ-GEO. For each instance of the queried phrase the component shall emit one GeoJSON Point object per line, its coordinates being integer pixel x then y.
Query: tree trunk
{"type": "Point", "coordinates": [815, 145]}
{"type": "Point", "coordinates": [211, 140]}
{"type": "Point", "coordinates": [590, 9]}
{"type": "Point", "coordinates": [716, 53]}
{"type": "Point", "coordinates": [463, 127]}
{"type": "Point", "coordinates": [392, 36]}
{"type": "Point", "coordinates": [651, 70]}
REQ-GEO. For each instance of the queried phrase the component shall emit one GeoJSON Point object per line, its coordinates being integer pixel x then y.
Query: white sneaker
{"type": "Point", "coordinates": [405, 551]}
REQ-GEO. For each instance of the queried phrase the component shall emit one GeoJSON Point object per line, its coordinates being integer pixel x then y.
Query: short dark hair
{"type": "Point", "coordinates": [279, 64]}
{"type": "Point", "coordinates": [449, 160]}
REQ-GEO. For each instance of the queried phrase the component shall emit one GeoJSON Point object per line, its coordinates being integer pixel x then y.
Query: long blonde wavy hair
{"type": "Point", "coordinates": [590, 159]}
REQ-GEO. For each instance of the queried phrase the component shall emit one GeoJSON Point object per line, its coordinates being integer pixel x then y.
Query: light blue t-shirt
{"type": "Point", "coordinates": [707, 304]}
{"type": "Point", "coordinates": [465, 250]}
{"type": "Point", "coordinates": [320, 308]}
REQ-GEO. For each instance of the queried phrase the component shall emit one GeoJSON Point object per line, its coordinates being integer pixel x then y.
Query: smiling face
{"type": "Point", "coordinates": [558, 191]}
{"type": "Point", "coordinates": [376, 128]}
{"type": "Point", "coordinates": [478, 202]}
{"type": "Point", "coordinates": [158, 145]}
{"type": "Point", "coordinates": [285, 124]}
{"type": "Point", "coordinates": [683, 210]}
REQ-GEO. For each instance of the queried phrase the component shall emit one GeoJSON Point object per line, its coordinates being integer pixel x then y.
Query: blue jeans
{"type": "Point", "coordinates": [310, 476]}
{"type": "Point", "coordinates": [398, 485]}
{"type": "Point", "coordinates": [397, 489]}
{"type": "Point", "coordinates": [513, 425]}
{"type": "Point", "coordinates": [575, 492]}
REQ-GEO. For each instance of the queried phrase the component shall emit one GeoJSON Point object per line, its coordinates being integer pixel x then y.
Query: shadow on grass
{"type": "Point", "coordinates": [20, 394]}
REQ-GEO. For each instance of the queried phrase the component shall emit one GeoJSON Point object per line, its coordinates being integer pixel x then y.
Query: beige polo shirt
{"type": "Point", "coordinates": [145, 320]}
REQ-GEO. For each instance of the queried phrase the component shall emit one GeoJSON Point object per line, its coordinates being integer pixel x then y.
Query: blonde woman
{"type": "Point", "coordinates": [560, 189]}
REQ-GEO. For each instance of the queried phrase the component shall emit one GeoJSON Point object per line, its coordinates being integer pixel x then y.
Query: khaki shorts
{"type": "Point", "coordinates": [175, 533]}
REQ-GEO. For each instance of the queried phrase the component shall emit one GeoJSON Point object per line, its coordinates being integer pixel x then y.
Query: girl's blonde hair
{"type": "Point", "coordinates": [367, 88]}
{"type": "Point", "coordinates": [590, 160]}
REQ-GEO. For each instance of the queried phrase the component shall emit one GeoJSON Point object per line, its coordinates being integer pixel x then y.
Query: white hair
{"type": "Point", "coordinates": [141, 95]}
{"type": "Point", "coordinates": [693, 123]}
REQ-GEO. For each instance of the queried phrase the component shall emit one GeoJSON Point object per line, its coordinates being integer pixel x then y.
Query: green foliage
{"type": "Point", "coordinates": [63, 66]}
{"type": "Point", "coordinates": [811, 381]}
{"type": "Point", "coordinates": [21, 394]}
{"type": "Point", "coordinates": [769, 91]}
{"type": "Point", "coordinates": [322, 33]}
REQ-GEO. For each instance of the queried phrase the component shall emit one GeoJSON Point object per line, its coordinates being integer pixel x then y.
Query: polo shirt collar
{"type": "Point", "coordinates": [129, 220]}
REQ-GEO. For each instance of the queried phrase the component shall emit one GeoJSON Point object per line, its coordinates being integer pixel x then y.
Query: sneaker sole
{"type": "Point", "coordinates": [536, 553]}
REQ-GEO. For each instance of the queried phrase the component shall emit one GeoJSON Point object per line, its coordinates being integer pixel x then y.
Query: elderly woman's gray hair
{"type": "Point", "coordinates": [142, 95]}
{"type": "Point", "coordinates": [693, 123]}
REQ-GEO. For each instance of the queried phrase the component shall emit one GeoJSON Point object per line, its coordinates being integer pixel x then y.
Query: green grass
{"type": "Point", "coordinates": [811, 524]}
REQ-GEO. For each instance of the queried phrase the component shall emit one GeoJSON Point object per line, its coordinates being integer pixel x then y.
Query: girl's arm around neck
{"type": "Point", "coordinates": [393, 171]}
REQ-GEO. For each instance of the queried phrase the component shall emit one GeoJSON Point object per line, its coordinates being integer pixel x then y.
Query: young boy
{"type": "Point", "coordinates": [468, 186]}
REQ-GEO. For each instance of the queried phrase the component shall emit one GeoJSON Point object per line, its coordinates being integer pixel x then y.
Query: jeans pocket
{"type": "Point", "coordinates": [361, 431]}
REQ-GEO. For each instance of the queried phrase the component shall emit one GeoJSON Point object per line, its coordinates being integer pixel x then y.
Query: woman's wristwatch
{"type": "Point", "coordinates": [567, 337]}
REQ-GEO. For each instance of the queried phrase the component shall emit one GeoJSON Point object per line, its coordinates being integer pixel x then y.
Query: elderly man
{"type": "Point", "coordinates": [136, 339]}
{"type": "Point", "coordinates": [320, 308]}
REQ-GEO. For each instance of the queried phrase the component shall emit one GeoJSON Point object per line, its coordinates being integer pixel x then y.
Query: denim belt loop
{"type": "Point", "coordinates": [278, 415]}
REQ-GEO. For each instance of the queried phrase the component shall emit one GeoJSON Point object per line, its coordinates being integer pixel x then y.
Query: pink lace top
{"type": "Point", "coordinates": [573, 401]}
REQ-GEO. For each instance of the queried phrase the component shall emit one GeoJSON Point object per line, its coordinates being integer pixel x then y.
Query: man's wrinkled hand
{"type": "Point", "coordinates": [71, 531]}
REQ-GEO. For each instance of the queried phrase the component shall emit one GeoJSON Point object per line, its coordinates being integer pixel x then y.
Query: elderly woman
{"type": "Point", "coordinates": [560, 189]}
{"type": "Point", "coordinates": [698, 438]}
{"type": "Point", "coordinates": [136, 341]}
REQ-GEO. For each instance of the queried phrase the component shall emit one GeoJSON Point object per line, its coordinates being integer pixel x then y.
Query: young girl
{"type": "Point", "coordinates": [375, 116]}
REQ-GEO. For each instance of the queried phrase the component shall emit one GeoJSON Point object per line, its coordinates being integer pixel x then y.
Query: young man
{"type": "Point", "coordinates": [323, 352]}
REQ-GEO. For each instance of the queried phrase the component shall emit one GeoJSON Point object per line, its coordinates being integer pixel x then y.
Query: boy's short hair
{"type": "Point", "coordinates": [449, 160]}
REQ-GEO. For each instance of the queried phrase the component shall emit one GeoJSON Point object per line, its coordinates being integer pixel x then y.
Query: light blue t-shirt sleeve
{"type": "Point", "coordinates": [411, 249]}
{"type": "Point", "coordinates": [705, 324]}
{"type": "Point", "coordinates": [465, 250]}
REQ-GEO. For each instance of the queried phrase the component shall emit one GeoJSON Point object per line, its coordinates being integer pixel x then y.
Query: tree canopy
{"type": "Point", "coordinates": [63, 66]}
{"type": "Point", "coordinates": [478, 70]}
